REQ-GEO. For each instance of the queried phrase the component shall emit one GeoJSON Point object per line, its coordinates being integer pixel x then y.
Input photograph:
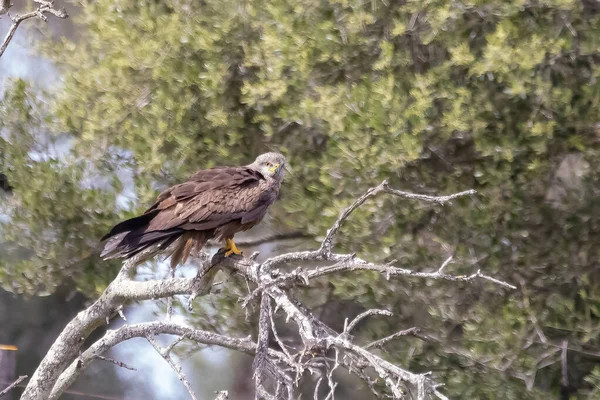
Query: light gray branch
{"type": "Point", "coordinates": [262, 343]}
{"type": "Point", "coordinates": [66, 347]}
{"type": "Point", "coordinates": [313, 339]}
{"type": "Point", "coordinates": [170, 298]}
{"type": "Point", "coordinates": [276, 336]}
{"type": "Point", "coordinates": [165, 353]}
{"type": "Point", "coordinates": [126, 332]}
{"type": "Point", "coordinates": [316, 393]}
{"type": "Point", "coordinates": [350, 262]}
{"type": "Point", "coordinates": [118, 363]}
{"type": "Point", "coordinates": [356, 264]}
{"type": "Point", "coordinates": [383, 187]}
{"type": "Point", "coordinates": [44, 7]}
{"type": "Point", "coordinates": [13, 385]}
{"type": "Point", "coordinates": [381, 342]}
{"type": "Point", "coordinates": [364, 315]}
{"type": "Point", "coordinates": [222, 395]}
{"type": "Point", "coordinates": [331, 383]}
{"type": "Point", "coordinates": [389, 372]}
{"type": "Point", "coordinates": [63, 363]}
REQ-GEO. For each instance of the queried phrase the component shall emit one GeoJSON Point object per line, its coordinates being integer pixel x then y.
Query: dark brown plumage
{"type": "Point", "coordinates": [213, 203]}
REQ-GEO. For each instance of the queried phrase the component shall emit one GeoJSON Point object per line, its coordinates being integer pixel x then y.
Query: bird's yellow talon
{"type": "Point", "coordinates": [230, 252]}
{"type": "Point", "coordinates": [231, 248]}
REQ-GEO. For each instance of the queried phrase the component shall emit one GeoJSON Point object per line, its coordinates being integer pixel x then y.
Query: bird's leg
{"type": "Point", "coordinates": [231, 248]}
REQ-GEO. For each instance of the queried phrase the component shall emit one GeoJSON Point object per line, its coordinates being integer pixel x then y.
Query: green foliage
{"type": "Point", "coordinates": [435, 96]}
{"type": "Point", "coordinates": [56, 212]}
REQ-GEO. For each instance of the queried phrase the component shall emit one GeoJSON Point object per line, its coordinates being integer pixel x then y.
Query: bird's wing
{"type": "Point", "coordinates": [211, 198]}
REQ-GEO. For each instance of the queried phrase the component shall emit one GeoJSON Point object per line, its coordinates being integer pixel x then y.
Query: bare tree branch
{"type": "Point", "coordinates": [349, 262]}
{"type": "Point", "coordinates": [383, 188]}
{"type": "Point", "coordinates": [44, 7]}
{"type": "Point", "coordinates": [444, 265]}
{"type": "Point", "coordinates": [13, 385]}
{"type": "Point", "coordinates": [118, 363]}
{"type": "Point", "coordinates": [330, 382]}
{"type": "Point", "coordinates": [66, 347]}
{"type": "Point", "coordinates": [364, 315]}
{"type": "Point", "coordinates": [63, 363]}
{"type": "Point", "coordinates": [317, 386]}
{"type": "Point", "coordinates": [356, 264]}
{"type": "Point", "coordinates": [276, 336]}
{"type": "Point", "coordinates": [126, 332]}
{"type": "Point", "coordinates": [564, 380]}
{"type": "Point", "coordinates": [381, 342]}
{"type": "Point", "coordinates": [165, 353]}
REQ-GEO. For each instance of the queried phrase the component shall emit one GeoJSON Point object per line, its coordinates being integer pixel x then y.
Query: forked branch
{"type": "Point", "coordinates": [44, 7]}
{"type": "Point", "coordinates": [320, 350]}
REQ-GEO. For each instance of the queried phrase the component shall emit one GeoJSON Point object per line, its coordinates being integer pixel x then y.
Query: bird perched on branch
{"type": "Point", "coordinates": [213, 203]}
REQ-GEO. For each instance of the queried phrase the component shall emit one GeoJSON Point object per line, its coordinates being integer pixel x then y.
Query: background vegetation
{"type": "Point", "coordinates": [435, 96]}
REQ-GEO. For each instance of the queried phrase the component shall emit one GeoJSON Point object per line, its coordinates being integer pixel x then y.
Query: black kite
{"type": "Point", "coordinates": [213, 203]}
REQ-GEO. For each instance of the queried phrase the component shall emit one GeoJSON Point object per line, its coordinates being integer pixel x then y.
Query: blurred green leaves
{"type": "Point", "coordinates": [56, 212]}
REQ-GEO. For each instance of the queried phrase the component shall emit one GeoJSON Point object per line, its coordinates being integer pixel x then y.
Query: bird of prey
{"type": "Point", "coordinates": [213, 203]}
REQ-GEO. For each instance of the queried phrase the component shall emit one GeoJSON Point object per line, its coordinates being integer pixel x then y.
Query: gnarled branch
{"type": "Point", "coordinates": [276, 369]}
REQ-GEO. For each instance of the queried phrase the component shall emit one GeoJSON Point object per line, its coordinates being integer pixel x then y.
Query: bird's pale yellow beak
{"type": "Point", "coordinates": [274, 168]}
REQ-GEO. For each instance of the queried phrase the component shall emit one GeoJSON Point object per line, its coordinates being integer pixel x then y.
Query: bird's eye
{"type": "Point", "coordinates": [268, 164]}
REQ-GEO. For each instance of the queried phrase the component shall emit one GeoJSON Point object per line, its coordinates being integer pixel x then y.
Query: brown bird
{"type": "Point", "coordinates": [213, 203]}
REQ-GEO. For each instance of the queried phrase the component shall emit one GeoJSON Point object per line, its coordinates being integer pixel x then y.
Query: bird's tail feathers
{"type": "Point", "coordinates": [191, 241]}
{"type": "Point", "coordinates": [133, 236]}
{"type": "Point", "coordinates": [129, 243]}
{"type": "Point", "coordinates": [131, 224]}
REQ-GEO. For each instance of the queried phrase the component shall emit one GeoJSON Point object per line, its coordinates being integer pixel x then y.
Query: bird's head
{"type": "Point", "coordinates": [270, 165]}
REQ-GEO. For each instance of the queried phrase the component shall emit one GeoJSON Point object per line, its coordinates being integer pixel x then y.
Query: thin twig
{"type": "Point", "coordinates": [444, 264]}
{"type": "Point", "coordinates": [43, 8]}
{"type": "Point", "coordinates": [383, 187]}
{"type": "Point", "coordinates": [276, 336]}
{"type": "Point", "coordinates": [358, 265]}
{"type": "Point", "coordinates": [364, 315]}
{"type": "Point", "coordinates": [121, 313]}
{"type": "Point", "coordinates": [13, 28]}
{"type": "Point", "coordinates": [173, 365]}
{"type": "Point", "coordinates": [13, 385]}
{"type": "Point", "coordinates": [316, 393]}
{"type": "Point", "coordinates": [119, 363]}
{"type": "Point", "coordinates": [381, 342]}
{"type": "Point", "coordinates": [332, 385]}
{"type": "Point", "coordinates": [170, 347]}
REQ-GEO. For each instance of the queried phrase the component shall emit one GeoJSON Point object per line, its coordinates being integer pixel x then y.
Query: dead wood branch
{"type": "Point", "coordinates": [13, 385]}
{"type": "Point", "coordinates": [118, 363]}
{"type": "Point", "coordinates": [222, 395]}
{"type": "Point", "coordinates": [166, 354]}
{"type": "Point", "coordinates": [44, 7]}
{"type": "Point", "coordinates": [321, 350]}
